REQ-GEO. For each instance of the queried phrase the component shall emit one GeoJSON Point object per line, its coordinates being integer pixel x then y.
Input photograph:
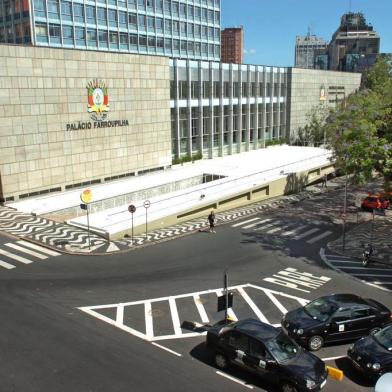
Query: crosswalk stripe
{"type": "Point", "coordinates": [200, 308]}
{"type": "Point", "coordinates": [300, 236]}
{"type": "Point", "coordinates": [245, 222]}
{"type": "Point", "coordinates": [319, 237]}
{"type": "Point", "coordinates": [254, 307]}
{"type": "Point", "coordinates": [28, 251]}
{"type": "Point", "coordinates": [256, 224]}
{"type": "Point", "coordinates": [15, 257]}
{"type": "Point", "coordinates": [293, 231]}
{"type": "Point", "coordinates": [274, 230]}
{"type": "Point", "coordinates": [276, 302]}
{"type": "Point", "coordinates": [6, 265]}
{"type": "Point", "coordinates": [263, 227]}
{"type": "Point", "coordinates": [39, 248]}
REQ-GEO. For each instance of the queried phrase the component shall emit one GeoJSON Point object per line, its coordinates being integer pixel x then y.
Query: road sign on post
{"type": "Point", "coordinates": [86, 197]}
{"type": "Point", "coordinates": [132, 209]}
{"type": "Point", "coordinates": [146, 205]}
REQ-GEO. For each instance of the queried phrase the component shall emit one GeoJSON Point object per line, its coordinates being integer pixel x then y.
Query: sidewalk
{"type": "Point", "coordinates": [377, 232]}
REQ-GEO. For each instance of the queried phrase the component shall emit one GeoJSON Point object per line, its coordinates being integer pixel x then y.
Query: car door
{"type": "Point", "coordinates": [236, 344]}
{"type": "Point", "coordinates": [256, 359]}
{"type": "Point", "coordinates": [339, 326]}
{"type": "Point", "coordinates": [363, 320]}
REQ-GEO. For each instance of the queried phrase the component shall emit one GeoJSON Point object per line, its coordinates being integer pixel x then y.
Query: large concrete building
{"type": "Point", "coordinates": [71, 118]}
{"type": "Point", "coordinates": [308, 48]}
{"type": "Point", "coordinates": [232, 45]}
{"type": "Point", "coordinates": [175, 28]}
{"type": "Point", "coordinates": [353, 43]}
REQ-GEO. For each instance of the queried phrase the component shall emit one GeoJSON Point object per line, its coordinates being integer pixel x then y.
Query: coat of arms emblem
{"type": "Point", "coordinates": [98, 100]}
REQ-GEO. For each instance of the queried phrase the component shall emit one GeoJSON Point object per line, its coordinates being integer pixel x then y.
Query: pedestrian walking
{"type": "Point", "coordinates": [211, 221]}
{"type": "Point", "coordinates": [324, 181]}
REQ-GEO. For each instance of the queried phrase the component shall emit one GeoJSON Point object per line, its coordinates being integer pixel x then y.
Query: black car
{"type": "Point", "coordinates": [268, 352]}
{"type": "Point", "coordinates": [334, 318]}
{"type": "Point", "coordinates": [373, 354]}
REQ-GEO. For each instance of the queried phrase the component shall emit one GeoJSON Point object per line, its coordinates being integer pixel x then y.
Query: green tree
{"type": "Point", "coordinates": [360, 129]}
{"type": "Point", "coordinates": [313, 133]}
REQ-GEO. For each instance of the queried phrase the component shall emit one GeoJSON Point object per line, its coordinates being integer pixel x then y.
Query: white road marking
{"type": "Point", "coordinates": [343, 261]}
{"type": "Point", "coordinates": [293, 231]}
{"type": "Point", "coordinates": [253, 306]}
{"type": "Point", "coordinates": [368, 269]}
{"type": "Point", "coordinates": [15, 257]}
{"type": "Point", "coordinates": [369, 275]}
{"type": "Point", "coordinates": [319, 237]}
{"type": "Point", "coordinates": [166, 349]}
{"type": "Point", "coordinates": [6, 265]}
{"type": "Point", "coordinates": [255, 224]}
{"type": "Point", "coordinates": [274, 230]}
{"type": "Point", "coordinates": [28, 251]}
{"type": "Point", "coordinates": [175, 317]}
{"type": "Point", "coordinates": [245, 222]}
{"type": "Point", "coordinates": [300, 236]}
{"type": "Point", "coordinates": [120, 314]}
{"type": "Point", "coordinates": [234, 379]}
{"type": "Point", "coordinates": [200, 308]}
{"type": "Point", "coordinates": [148, 318]}
{"type": "Point", "coordinates": [39, 248]}
{"type": "Point", "coordinates": [263, 227]}
{"type": "Point", "coordinates": [276, 302]}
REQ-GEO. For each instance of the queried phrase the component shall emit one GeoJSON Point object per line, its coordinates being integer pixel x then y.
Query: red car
{"type": "Point", "coordinates": [373, 202]}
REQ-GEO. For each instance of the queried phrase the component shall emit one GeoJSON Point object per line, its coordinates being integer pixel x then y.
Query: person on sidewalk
{"type": "Point", "coordinates": [211, 221]}
{"type": "Point", "coordinates": [324, 181]}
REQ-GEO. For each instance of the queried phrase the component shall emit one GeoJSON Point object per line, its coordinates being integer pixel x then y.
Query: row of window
{"type": "Point", "coordinates": [92, 13]}
{"type": "Point", "coordinates": [213, 89]}
{"type": "Point", "coordinates": [80, 36]}
{"type": "Point", "coordinates": [13, 10]}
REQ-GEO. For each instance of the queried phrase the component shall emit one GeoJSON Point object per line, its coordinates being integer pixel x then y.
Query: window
{"type": "Point", "coordinates": [360, 313]}
{"type": "Point", "coordinates": [151, 42]}
{"type": "Point", "coordinates": [160, 43]}
{"type": "Point", "coordinates": [256, 349]}
{"type": "Point", "coordinates": [168, 26]}
{"type": "Point", "coordinates": [151, 22]}
{"type": "Point", "coordinates": [175, 27]}
{"type": "Point", "coordinates": [39, 5]}
{"type": "Point", "coordinates": [101, 15]}
{"type": "Point", "coordinates": [54, 31]}
{"type": "Point", "coordinates": [133, 40]}
{"type": "Point", "coordinates": [167, 6]}
{"type": "Point", "coordinates": [150, 4]}
{"type": "Point", "coordinates": [182, 10]}
{"type": "Point", "coordinates": [53, 8]}
{"type": "Point", "coordinates": [112, 14]}
{"type": "Point", "coordinates": [91, 35]}
{"type": "Point", "coordinates": [66, 8]}
{"type": "Point", "coordinates": [90, 14]}
{"type": "Point", "coordinates": [237, 340]}
{"type": "Point", "coordinates": [159, 24]}
{"type": "Point", "coordinates": [103, 36]}
{"type": "Point", "coordinates": [141, 4]}
{"type": "Point", "coordinates": [143, 41]}
{"type": "Point", "coordinates": [183, 28]}
{"type": "Point", "coordinates": [67, 33]}
{"type": "Point", "coordinates": [78, 10]}
{"type": "Point", "coordinates": [113, 37]}
{"type": "Point", "coordinates": [342, 315]}
{"type": "Point", "coordinates": [175, 8]}
{"type": "Point", "coordinates": [79, 33]}
{"type": "Point", "coordinates": [122, 18]}
{"type": "Point", "coordinates": [41, 29]}
{"type": "Point", "coordinates": [142, 21]}
{"type": "Point", "coordinates": [159, 6]}
{"type": "Point", "coordinates": [132, 18]}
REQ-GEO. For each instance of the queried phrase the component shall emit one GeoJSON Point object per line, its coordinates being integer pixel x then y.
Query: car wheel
{"type": "Point", "coordinates": [221, 361]}
{"type": "Point", "coordinates": [315, 343]}
{"type": "Point", "coordinates": [374, 330]}
{"type": "Point", "coordinates": [288, 387]}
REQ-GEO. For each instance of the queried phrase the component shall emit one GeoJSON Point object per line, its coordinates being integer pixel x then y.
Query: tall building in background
{"type": "Point", "coordinates": [188, 29]}
{"type": "Point", "coordinates": [354, 44]}
{"type": "Point", "coordinates": [232, 45]}
{"type": "Point", "coordinates": [308, 50]}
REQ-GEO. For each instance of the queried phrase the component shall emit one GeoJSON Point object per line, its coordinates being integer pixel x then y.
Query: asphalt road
{"type": "Point", "coordinates": [113, 323]}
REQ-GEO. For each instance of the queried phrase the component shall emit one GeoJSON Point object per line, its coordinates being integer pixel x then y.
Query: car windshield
{"type": "Point", "coordinates": [384, 337]}
{"type": "Point", "coordinates": [282, 348]}
{"type": "Point", "coordinates": [320, 309]}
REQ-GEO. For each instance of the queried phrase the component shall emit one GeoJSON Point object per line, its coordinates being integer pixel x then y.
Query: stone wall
{"type": "Point", "coordinates": [309, 88]}
{"type": "Point", "coordinates": [43, 102]}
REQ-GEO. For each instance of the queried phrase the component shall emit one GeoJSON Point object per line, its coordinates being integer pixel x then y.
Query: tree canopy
{"type": "Point", "coordinates": [360, 129]}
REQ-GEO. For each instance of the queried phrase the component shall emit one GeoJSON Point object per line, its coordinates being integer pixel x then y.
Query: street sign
{"type": "Point", "coordinates": [86, 196]}
{"type": "Point", "coordinates": [131, 208]}
{"type": "Point", "coordinates": [147, 204]}
{"type": "Point", "coordinates": [83, 206]}
{"type": "Point", "coordinates": [222, 301]}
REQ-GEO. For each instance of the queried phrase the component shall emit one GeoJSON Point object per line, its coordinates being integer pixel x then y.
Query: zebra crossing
{"type": "Point", "coordinates": [164, 318]}
{"type": "Point", "coordinates": [22, 252]}
{"type": "Point", "coordinates": [375, 274]}
{"type": "Point", "coordinates": [293, 230]}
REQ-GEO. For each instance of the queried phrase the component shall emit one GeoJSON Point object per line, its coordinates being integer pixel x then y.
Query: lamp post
{"type": "Point", "coordinates": [344, 211]}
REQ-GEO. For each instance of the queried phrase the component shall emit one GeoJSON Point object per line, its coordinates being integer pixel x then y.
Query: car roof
{"type": "Point", "coordinates": [257, 329]}
{"type": "Point", "coordinates": [346, 299]}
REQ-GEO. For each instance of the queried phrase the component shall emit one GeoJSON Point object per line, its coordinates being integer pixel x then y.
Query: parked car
{"type": "Point", "coordinates": [268, 352]}
{"type": "Point", "coordinates": [334, 318]}
{"type": "Point", "coordinates": [372, 355]}
{"type": "Point", "coordinates": [373, 202]}
{"type": "Point", "coordinates": [387, 195]}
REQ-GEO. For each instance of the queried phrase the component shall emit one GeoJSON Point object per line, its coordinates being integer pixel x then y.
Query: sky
{"type": "Point", "coordinates": [270, 26]}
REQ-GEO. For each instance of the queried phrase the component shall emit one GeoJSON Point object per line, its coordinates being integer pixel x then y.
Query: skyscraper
{"type": "Point", "coordinates": [352, 43]}
{"type": "Point", "coordinates": [232, 45]}
{"type": "Point", "coordinates": [308, 48]}
{"type": "Point", "coordinates": [188, 29]}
